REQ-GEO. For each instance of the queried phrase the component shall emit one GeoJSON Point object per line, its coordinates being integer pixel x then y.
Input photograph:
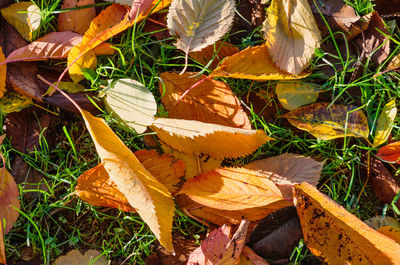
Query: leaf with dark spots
{"type": "Point", "coordinates": [276, 235]}
{"type": "Point", "coordinates": [387, 8]}
{"type": "Point", "coordinates": [374, 43]}
{"type": "Point", "coordinates": [82, 99]}
{"type": "Point", "coordinates": [338, 15]}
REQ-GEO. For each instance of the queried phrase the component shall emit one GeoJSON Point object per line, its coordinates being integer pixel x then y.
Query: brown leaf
{"type": "Point", "coordinates": [387, 8]}
{"type": "Point", "coordinates": [234, 189]}
{"type": "Point", "coordinates": [374, 43]}
{"type": "Point", "coordinates": [77, 20]}
{"type": "Point", "coordinates": [9, 38]}
{"type": "Point", "coordinates": [277, 235]}
{"type": "Point", "coordinates": [339, 237]}
{"type": "Point", "coordinates": [160, 29]}
{"type": "Point", "coordinates": [221, 50]}
{"type": "Point", "coordinates": [218, 248]}
{"type": "Point", "coordinates": [82, 99]}
{"type": "Point", "coordinates": [5, 3]}
{"type": "Point", "coordinates": [212, 101]}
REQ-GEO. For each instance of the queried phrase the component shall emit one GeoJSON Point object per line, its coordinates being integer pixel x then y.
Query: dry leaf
{"type": "Point", "coordinates": [385, 123]}
{"type": "Point", "coordinates": [131, 103]}
{"type": "Point", "coordinates": [145, 193]}
{"type": "Point", "coordinates": [295, 94]}
{"type": "Point", "coordinates": [339, 237]}
{"type": "Point", "coordinates": [211, 101]}
{"type": "Point", "coordinates": [249, 257]}
{"type": "Point", "coordinates": [390, 153]}
{"type": "Point", "coordinates": [387, 8]}
{"type": "Point", "coordinates": [220, 49]}
{"type": "Point", "coordinates": [24, 17]}
{"type": "Point", "coordinates": [8, 200]}
{"type": "Point", "coordinates": [326, 124]}
{"type": "Point", "coordinates": [74, 257]}
{"type": "Point", "coordinates": [199, 138]}
{"type": "Point", "coordinates": [88, 60]}
{"type": "Point", "coordinates": [54, 45]}
{"type": "Point", "coordinates": [288, 169]}
{"type": "Point", "coordinates": [218, 249]}
{"type": "Point", "coordinates": [253, 63]}
{"type": "Point", "coordinates": [392, 232]}
{"type": "Point", "coordinates": [14, 102]}
{"type": "Point", "coordinates": [291, 34]}
{"type": "Point", "coordinates": [199, 23]}
{"type": "Point", "coordinates": [3, 74]}
{"type": "Point", "coordinates": [233, 189]}
{"type": "Point", "coordinates": [77, 20]}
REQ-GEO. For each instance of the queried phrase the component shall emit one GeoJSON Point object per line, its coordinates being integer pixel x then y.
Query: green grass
{"type": "Point", "coordinates": [55, 220]}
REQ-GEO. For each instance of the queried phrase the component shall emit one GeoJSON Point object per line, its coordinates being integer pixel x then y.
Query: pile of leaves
{"type": "Point", "coordinates": [200, 129]}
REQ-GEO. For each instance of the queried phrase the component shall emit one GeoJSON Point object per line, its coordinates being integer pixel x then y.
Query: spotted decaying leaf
{"type": "Point", "coordinates": [220, 50]}
{"type": "Point", "coordinates": [330, 123]}
{"type": "Point", "coordinates": [392, 232]}
{"type": "Point", "coordinates": [385, 123]}
{"type": "Point", "coordinates": [3, 74]}
{"type": "Point", "coordinates": [77, 20]}
{"type": "Point", "coordinates": [151, 199]}
{"type": "Point", "coordinates": [296, 94]}
{"type": "Point", "coordinates": [14, 102]}
{"type": "Point", "coordinates": [390, 153]}
{"type": "Point", "coordinates": [291, 34]}
{"type": "Point", "coordinates": [211, 101]}
{"type": "Point", "coordinates": [95, 187]}
{"type": "Point", "coordinates": [199, 138]}
{"type": "Point", "coordinates": [234, 189]}
{"type": "Point", "coordinates": [339, 237]}
{"type": "Point", "coordinates": [253, 63]}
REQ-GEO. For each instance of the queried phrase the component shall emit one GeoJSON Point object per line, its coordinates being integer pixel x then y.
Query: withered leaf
{"type": "Point", "coordinates": [387, 8]}
{"type": "Point", "coordinates": [77, 20]}
{"type": "Point", "coordinates": [82, 99]}
{"type": "Point", "coordinates": [326, 226]}
{"type": "Point", "coordinates": [14, 102]}
{"type": "Point", "coordinates": [211, 101]}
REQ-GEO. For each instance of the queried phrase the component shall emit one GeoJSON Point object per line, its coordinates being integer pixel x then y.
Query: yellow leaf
{"type": "Point", "coordinates": [14, 102]}
{"type": "Point", "coordinates": [385, 123]}
{"type": "Point", "coordinates": [89, 60]}
{"type": "Point", "coordinates": [394, 63]}
{"type": "Point", "coordinates": [336, 235]}
{"type": "Point", "coordinates": [211, 101]}
{"type": "Point", "coordinates": [199, 138]}
{"type": "Point", "coordinates": [253, 63]}
{"type": "Point", "coordinates": [326, 124]}
{"type": "Point", "coordinates": [233, 189]}
{"type": "Point", "coordinates": [295, 94]}
{"type": "Point", "coordinates": [24, 17]}
{"type": "Point", "coordinates": [390, 231]}
{"type": "Point", "coordinates": [291, 34]}
{"type": "Point", "coordinates": [144, 192]}
{"type": "Point", "coordinates": [3, 74]}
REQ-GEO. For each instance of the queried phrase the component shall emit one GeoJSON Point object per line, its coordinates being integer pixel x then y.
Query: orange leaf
{"type": "Point", "coordinates": [390, 231]}
{"type": "Point", "coordinates": [212, 101]}
{"type": "Point", "coordinates": [221, 49]}
{"type": "Point", "coordinates": [233, 189]}
{"type": "Point", "coordinates": [3, 74]}
{"type": "Point", "coordinates": [336, 235]}
{"type": "Point", "coordinates": [390, 153]}
{"type": "Point", "coordinates": [253, 63]}
{"type": "Point", "coordinates": [199, 138]}
{"type": "Point", "coordinates": [77, 20]}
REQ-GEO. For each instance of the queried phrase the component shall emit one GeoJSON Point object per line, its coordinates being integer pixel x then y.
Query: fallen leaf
{"type": "Point", "coordinates": [277, 235]}
{"type": "Point", "coordinates": [69, 87]}
{"type": "Point", "coordinates": [74, 257]}
{"type": "Point", "coordinates": [390, 153]}
{"type": "Point", "coordinates": [291, 34]}
{"type": "Point", "coordinates": [385, 123]}
{"type": "Point", "coordinates": [387, 8]}
{"type": "Point", "coordinates": [296, 94]}
{"type": "Point", "coordinates": [25, 17]}
{"type": "Point", "coordinates": [131, 103]}
{"type": "Point", "coordinates": [8, 200]}
{"type": "Point", "coordinates": [211, 101]}
{"type": "Point", "coordinates": [84, 100]}
{"type": "Point", "coordinates": [145, 193]}
{"type": "Point", "coordinates": [288, 169]}
{"type": "Point", "coordinates": [218, 248]}
{"type": "Point", "coordinates": [249, 257]}
{"type": "Point", "coordinates": [77, 20]}
{"type": "Point", "coordinates": [253, 11]}
{"type": "Point", "coordinates": [88, 60]}
{"type": "Point", "coordinates": [199, 138]}
{"type": "Point", "coordinates": [326, 124]}
{"type": "Point", "coordinates": [199, 24]}
{"type": "Point", "coordinates": [394, 63]}
{"type": "Point", "coordinates": [13, 102]}
{"type": "Point", "coordinates": [377, 222]}
{"type": "Point", "coordinates": [159, 28]}
{"type": "Point", "coordinates": [221, 50]}
{"type": "Point", "coordinates": [3, 74]}
{"type": "Point", "coordinates": [337, 236]}
{"type": "Point", "coordinates": [233, 189]}
{"type": "Point", "coordinates": [392, 232]}
{"type": "Point", "coordinates": [338, 15]}
{"type": "Point", "coordinates": [375, 44]}
{"type": "Point", "coordinates": [252, 63]}
{"type": "Point", "coordinates": [9, 38]}
{"type": "Point", "coordinates": [54, 45]}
